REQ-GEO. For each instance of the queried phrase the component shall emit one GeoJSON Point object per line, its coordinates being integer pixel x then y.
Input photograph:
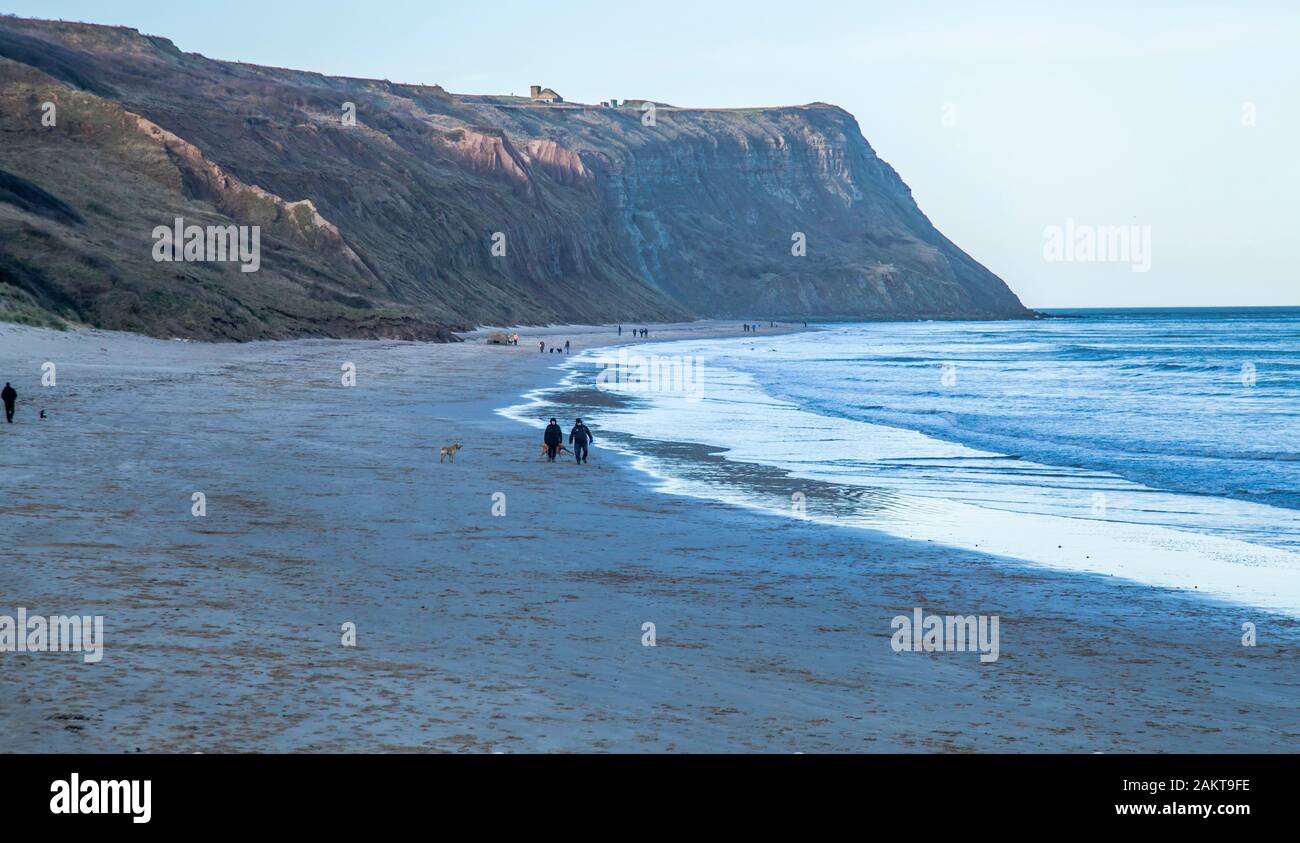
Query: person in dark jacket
{"type": "Point", "coordinates": [553, 437]}
{"type": "Point", "coordinates": [579, 438]}
{"type": "Point", "coordinates": [9, 395]}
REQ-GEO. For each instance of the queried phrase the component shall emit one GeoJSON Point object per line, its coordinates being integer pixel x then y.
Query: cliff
{"type": "Point", "coordinates": [385, 226]}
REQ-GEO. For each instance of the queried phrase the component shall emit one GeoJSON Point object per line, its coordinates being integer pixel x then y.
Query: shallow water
{"type": "Point", "coordinates": [1157, 446]}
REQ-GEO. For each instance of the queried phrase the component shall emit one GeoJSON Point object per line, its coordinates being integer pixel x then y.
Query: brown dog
{"type": "Point", "coordinates": [449, 451]}
{"type": "Point", "coordinates": [561, 450]}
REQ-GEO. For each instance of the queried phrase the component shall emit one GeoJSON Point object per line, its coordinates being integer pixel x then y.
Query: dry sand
{"type": "Point", "coordinates": [521, 633]}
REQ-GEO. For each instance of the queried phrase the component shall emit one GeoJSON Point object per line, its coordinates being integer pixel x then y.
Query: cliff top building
{"type": "Point", "coordinates": [540, 94]}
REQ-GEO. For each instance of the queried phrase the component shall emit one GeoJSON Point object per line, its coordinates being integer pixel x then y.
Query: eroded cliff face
{"type": "Point", "coordinates": [714, 213]}
{"type": "Point", "coordinates": [386, 226]}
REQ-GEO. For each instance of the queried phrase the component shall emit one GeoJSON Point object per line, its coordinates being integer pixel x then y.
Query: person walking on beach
{"type": "Point", "coordinates": [579, 438]}
{"type": "Point", "coordinates": [553, 437]}
{"type": "Point", "coordinates": [9, 396]}
{"type": "Point", "coordinates": [620, 330]}
{"type": "Point", "coordinates": [566, 346]}
{"type": "Point", "coordinates": [541, 346]}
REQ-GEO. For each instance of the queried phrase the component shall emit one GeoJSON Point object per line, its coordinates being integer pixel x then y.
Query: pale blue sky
{"type": "Point", "coordinates": [1110, 113]}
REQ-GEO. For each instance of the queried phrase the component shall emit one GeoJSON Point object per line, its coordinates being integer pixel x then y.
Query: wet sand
{"type": "Point", "coordinates": [522, 632]}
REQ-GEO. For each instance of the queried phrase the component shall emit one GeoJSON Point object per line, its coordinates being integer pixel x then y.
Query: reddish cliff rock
{"type": "Point", "coordinates": [384, 225]}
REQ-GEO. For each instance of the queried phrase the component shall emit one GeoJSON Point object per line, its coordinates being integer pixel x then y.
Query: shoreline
{"type": "Point", "coordinates": [660, 428]}
{"type": "Point", "coordinates": [523, 632]}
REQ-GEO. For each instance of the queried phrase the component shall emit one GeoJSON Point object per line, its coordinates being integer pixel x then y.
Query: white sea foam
{"type": "Point", "coordinates": [1041, 514]}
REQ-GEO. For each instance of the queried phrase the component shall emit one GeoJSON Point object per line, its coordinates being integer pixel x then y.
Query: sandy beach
{"type": "Point", "coordinates": [523, 631]}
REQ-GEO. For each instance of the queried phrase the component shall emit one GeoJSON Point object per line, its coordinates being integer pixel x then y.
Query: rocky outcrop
{"type": "Point", "coordinates": [400, 210]}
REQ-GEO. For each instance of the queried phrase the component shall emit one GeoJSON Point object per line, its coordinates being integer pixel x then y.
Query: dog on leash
{"type": "Point", "coordinates": [449, 452]}
{"type": "Point", "coordinates": [561, 450]}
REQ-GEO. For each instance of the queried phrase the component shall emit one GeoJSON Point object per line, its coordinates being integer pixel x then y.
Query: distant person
{"type": "Point", "coordinates": [620, 330]}
{"type": "Point", "coordinates": [541, 346]}
{"type": "Point", "coordinates": [747, 327]}
{"type": "Point", "coordinates": [9, 396]}
{"type": "Point", "coordinates": [566, 346]}
{"type": "Point", "coordinates": [579, 437]}
{"type": "Point", "coordinates": [552, 437]}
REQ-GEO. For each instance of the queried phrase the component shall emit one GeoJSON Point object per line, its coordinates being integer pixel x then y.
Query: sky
{"type": "Point", "coordinates": [1015, 124]}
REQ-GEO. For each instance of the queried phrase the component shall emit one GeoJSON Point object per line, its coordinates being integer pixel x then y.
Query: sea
{"type": "Point", "coordinates": [1157, 445]}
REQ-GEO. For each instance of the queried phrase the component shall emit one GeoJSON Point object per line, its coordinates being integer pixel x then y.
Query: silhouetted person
{"type": "Point", "coordinates": [541, 346]}
{"type": "Point", "coordinates": [579, 437]}
{"type": "Point", "coordinates": [566, 346]}
{"type": "Point", "coordinates": [620, 330]}
{"type": "Point", "coordinates": [9, 396]}
{"type": "Point", "coordinates": [553, 437]}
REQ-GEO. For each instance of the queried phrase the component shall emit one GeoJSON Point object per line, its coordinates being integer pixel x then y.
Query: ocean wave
{"type": "Point", "coordinates": [1009, 503]}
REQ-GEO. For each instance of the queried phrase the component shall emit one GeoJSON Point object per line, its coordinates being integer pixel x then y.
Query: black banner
{"type": "Point", "coordinates": [247, 792]}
